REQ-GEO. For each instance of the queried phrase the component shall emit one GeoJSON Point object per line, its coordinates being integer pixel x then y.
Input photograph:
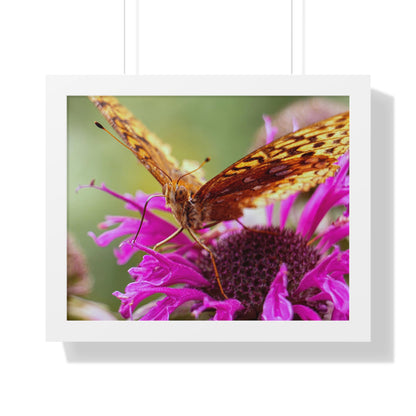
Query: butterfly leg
{"type": "Point", "coordinates": [161, 243]}
{"type": "Point", "coordinates": [211, 254]}
{"type": "Point", "coordinates": [211, 224]}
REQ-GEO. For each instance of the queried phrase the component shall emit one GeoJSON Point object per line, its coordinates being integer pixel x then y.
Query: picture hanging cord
{"type": "Point", "coordinates": [130, 34]}
{"type": "Point", "coordinates": [124, 37]}
{"type": "Point", "coordinates": [297, 36]}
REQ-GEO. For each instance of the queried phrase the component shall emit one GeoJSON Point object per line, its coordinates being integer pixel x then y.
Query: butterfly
{"type": "Point", "coordinates": [295, 162]}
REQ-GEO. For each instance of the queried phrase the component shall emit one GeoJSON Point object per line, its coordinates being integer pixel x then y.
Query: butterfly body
{"type": "Point", "coordinates": [182, 206]}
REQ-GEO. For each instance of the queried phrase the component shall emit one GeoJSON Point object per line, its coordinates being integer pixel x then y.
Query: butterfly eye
{"type": "Point", "coordinates": [181, 194]}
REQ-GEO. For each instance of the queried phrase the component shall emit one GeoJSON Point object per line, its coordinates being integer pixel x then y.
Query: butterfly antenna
{"type": "Point", "coordinates": [192, 171]}
{"type": "Point", "coordinates": [160, 170]}
{"type": "Point", "coordinates": [100, 126]}
{"type": "Point", "coordinates": [143, 214]}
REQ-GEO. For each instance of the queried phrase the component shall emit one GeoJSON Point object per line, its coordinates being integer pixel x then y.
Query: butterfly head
{"type": "Point", "coordinates": [179, 198]}
{"type": "Point", "coordinates": [175, 193]}
{"type": "Point", "coordinates": [179, 193]}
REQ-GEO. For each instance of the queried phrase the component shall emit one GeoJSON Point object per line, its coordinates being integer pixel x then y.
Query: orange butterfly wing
{"type": "Point", "coordinates": [148, 148]}
{"type": "Point", "coordinates": [294, 162]}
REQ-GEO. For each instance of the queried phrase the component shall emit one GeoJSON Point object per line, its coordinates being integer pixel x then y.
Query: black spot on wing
{"type": "Point", "coordinates": [293, 151]}
{"type": "Point", "coordinates": [260, 159]}
{"type": "Point", "coordinates": [308, 154]}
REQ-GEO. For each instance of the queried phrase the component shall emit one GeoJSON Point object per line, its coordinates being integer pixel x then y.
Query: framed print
{"type": "Point", "coordinates": [208, 208]}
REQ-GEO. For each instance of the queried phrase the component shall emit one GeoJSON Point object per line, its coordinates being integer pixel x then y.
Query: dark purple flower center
{"type": "Point", "coordinates": [248, 262]}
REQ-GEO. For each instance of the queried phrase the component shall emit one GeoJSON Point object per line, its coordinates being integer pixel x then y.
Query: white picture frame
{"type": "Point", "coordinates": [356, 329]}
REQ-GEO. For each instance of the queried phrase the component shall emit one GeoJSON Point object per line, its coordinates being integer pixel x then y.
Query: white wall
{"type": "Point", "coordinates": [46, 37]}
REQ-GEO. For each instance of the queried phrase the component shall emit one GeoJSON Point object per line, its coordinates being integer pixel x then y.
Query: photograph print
{"type": "Point", "coordinates": [208, 208]}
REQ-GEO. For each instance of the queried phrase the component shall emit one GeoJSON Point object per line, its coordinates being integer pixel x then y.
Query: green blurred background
{"type": "Point", "coordinates": [222, 128]}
